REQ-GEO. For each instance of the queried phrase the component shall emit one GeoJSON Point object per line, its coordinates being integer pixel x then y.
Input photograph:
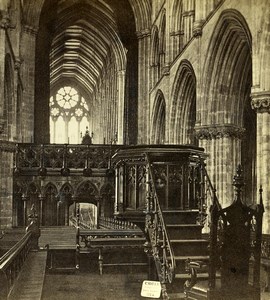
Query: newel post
{"type": "Point", "coordinates": [33, 227]}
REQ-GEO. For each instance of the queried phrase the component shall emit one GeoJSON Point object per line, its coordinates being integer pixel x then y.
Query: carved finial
{"type": "Point", "coordinates": [238, 182]}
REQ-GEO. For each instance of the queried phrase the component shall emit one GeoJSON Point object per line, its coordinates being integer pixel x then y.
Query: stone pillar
{"type": "Point", "coordinates": [121, 105]}
{"type": "Point", "coordinates": [144, 40]}
{"type": "Point", "coordinates": [7, 150]}
{"type": "Point", "coordinates": [28, 40]}
{"type": "Point", "coordinates": [261, 104]}
{"type": "Point", "coordinates": [4, 25]}
{"type": "Point", "coordinates": [223, 145]}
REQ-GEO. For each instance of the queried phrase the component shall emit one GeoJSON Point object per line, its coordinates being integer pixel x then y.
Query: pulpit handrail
{"type": "Point", "coordinates": [167, 262]}
{"type": "Point", "coordinates": [13, 252]}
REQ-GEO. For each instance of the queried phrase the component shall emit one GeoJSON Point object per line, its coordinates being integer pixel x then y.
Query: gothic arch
{"type": "Point", "coordinates": [66, 189]}
{"type": "Point", "coordinates": [176, 27]}
{"type": "Point", "coordinates": [183, 108]}
{"type": "Point", "coordinates": [32, 188]}
{"type": "Point", "coordinates": [87, 192]}
{"type": "Point", "coordinates": [265, 53]}
{"type": "Point", "coordinates": [142, 11]}
{"type": "Point", "coordinates": [162, 40]}
{"type": "Point", "coordinates": [158, 119]}
{"type": "Point", "coordinates": [228, 70]}
{"type": "Point", "coordinates": [51, 188]}
{"type": "Point", "coordinates": [226, 98]}
{"type": "Point", "coordinates": [154, 59]}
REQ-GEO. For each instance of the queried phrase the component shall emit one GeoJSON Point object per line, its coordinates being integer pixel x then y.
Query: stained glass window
{"type": "Point", "coordinates": [69, 115]}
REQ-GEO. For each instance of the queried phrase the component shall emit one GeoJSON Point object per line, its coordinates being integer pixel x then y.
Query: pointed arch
{"type": "Point", "coordinates": [158, 119]}
{"type": "Point", "coordinates": [154, 59]}
{"type": "Point", "coordinates": [228, 65]}
{"type": "Point", "coordinates": [162, 43]}
{"type": "Point", "coordinates": [87, 192]}
{"type": "Point", "coordinates": [32, 188]}
{"type": "Point", "coordinates": [176, 34]}
{"type": "Point", "coordinates": [183, 108]}
{"type": "Point", "coordinates": [226, 99]}
{"type": "Point", "coordinates": [66, 189]}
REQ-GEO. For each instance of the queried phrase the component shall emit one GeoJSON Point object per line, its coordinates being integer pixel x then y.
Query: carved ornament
{"type": "Point", "coordinates": [143, 33]}
{"type": "Point", "coordinates": [261, 102]}
{"type": "Point", "coordinates": [213, 132]}
{"type": "Point", "coordinates": [5, 20]}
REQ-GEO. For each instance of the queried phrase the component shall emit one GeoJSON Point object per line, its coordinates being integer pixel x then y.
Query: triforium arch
{"type": "Point", "coordinates": [183, 108]}
{"type": "Point", "coordinates": [226, 119]}
{"type": "Point", "coordinates": [162, 40]}
{"type": "Point", "coordinates": [158, 120]}
{"type": "Point", "coordinates": [176, 30]}
{"type": "Point", "coordinates": [154, 62]}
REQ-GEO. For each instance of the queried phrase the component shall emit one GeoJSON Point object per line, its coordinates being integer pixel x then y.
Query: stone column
{"type": "Point", "coordinates": [28, 40]}
{"type": "Point", "coordinates": [261, 104]}
{"type": "Point", "coordinates": [121, 105]}
{"type": "Point", "coordinates": [223, 145]}
{"type": "Point", "coordinates": [4, 25]}
{"type": "Point", "coordinates": [144, 40]}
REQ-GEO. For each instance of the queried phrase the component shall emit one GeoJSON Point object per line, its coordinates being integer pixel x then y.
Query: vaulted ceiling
{"type": "Point", "coordinates": [86, 40]}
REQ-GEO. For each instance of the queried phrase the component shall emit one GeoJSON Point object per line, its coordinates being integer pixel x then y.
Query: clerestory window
{"type": "Point", "coordinates": [69, 116]}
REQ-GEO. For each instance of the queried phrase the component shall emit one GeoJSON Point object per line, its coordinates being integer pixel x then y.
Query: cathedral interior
{"type": "Point", "coordinates": [135, 149]}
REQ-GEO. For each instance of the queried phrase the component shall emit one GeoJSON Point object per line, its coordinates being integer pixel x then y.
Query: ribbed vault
{"type": "Point", "coordinates": [85, 43]}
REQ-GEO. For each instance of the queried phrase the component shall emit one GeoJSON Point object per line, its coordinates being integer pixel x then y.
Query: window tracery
{"type": "Point", "coordinates": [69, 115]}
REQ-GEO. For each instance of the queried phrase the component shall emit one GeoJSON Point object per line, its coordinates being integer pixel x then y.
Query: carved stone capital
{"type": "Point", "coordinates": [212, 132]}
{"type": "Point", "coordinates": [6, 146]}
{"type": "Point", "coordinates": [18, 63]}
{"type": "Point", "coordinates": [143, 33]}
{"type": "Point", "coordinates": [2, 126]}
{"type": "Point", "coordinates": [197, 28]}
{"type": "Point", "coordinates": [30, 29]}
{"type": "Point", "coordinates": [5, 19]}
{"type": "Point", "coordinates": [261, 102]}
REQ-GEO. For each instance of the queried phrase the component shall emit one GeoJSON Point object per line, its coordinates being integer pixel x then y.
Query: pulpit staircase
{"type": "Point", "coordinates": [175, 237]}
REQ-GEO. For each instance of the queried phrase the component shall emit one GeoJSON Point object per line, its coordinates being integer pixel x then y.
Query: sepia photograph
{"type": "Point", "coordinates": [134, 149]}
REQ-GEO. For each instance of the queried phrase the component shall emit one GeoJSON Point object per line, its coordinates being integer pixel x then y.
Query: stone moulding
{"type": "Point", "coordinates": [261, 102]}
{"type": "Point", "coordinates": [6, 146]}
{"type": "Point", "coordinates": [211, 132]}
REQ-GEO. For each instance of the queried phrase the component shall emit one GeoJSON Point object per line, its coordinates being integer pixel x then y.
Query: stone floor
{"type": "Point", "coordinates": [85, 286]}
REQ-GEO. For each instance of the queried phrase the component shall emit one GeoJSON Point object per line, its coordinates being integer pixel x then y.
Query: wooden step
{"type": "Point", "coordinates": [184, 231]}
{"type": "Point", "coordinates": [180, 216]}
{"type": "Point", "coordinates": [193, 247]}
